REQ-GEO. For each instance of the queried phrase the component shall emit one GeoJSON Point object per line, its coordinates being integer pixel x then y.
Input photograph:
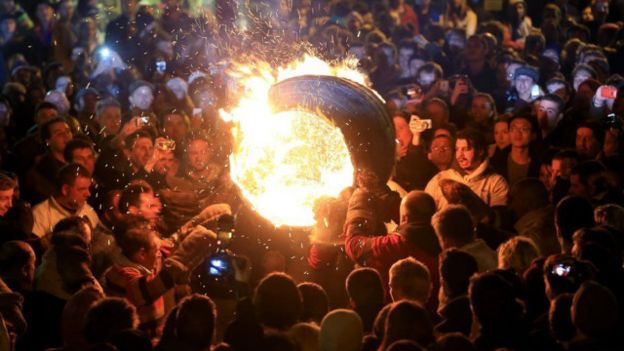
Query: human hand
{"type": "Point", "coordinates": [605, 95]}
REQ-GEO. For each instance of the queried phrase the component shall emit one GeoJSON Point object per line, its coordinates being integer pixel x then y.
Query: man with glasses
{"type": "Point", "coordinates": [520, 159]}
{"type": "Point", "coordinates": [441, 152]}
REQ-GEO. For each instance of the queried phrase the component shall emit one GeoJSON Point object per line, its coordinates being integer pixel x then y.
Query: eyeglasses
{"type": "Point", "coordinates": [440, 148]}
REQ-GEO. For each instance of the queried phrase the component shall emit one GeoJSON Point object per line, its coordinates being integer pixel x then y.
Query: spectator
{"type": "Point", "coordinates": [407, 320]}
{"type": "Point", "coordinates": [195, 323]}
{"type": "Point", "coordinates": [441, 152]}
{"type": "Point", "coordinates": [306, 336]}
{"type": "Point", "coordinates": [566, 225]}
{"type": "Point", "coordinates": [40, 178]}
{"type": "Point", "coordinates": [140, 200]}
{"type": "Point", "coordinates": [17, 260]}
{"type": "Point", "coordinates": [80, 152]}
{"type": "Point", "coordinates": [533, 215]}
{"type": "Point", "coordinates": [136, 274]}
{"type": "Point", "coordinates": [594, 324]}
{"type": "Point", "coordinates": [459, 16]}
{"type": "Point", "coordinates": [472, 170]}
{"type": "Point", "coordinates": [499, 314]}
{"type": "Point", "coordinates": [69, 199]}
{"type": "Point", "coordinates": [315, 304]}
{"type": "Point", "coordinates": [366, 295]}
{"type": "Point", "coordinates": [99, 328]}
{"type": "Point", "coordinates": [277, 302]}
{"type": "Point", "coordinates": [410, 280]}
{"type": "Point", "coordinates": [455, 229]}
{"type": "Point", "coordinates": [456, 268]}
{"type": "Point", "coordinates": [521, 159]}
{"type": "Point", "coordinates": [341, 330]}
{"type": "Point", "coordinates": [589, 141]}
{"type": "Point", "coordinates": [107, 121]}
{"type": "Point", "coordinates": [517, 253]}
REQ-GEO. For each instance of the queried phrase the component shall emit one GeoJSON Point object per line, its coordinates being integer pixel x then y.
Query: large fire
{"type": "Point", "coordinates": [283, 162]}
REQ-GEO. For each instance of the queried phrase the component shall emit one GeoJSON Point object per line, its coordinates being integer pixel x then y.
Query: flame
{"type": "Point", "coordinates": [283, 162]}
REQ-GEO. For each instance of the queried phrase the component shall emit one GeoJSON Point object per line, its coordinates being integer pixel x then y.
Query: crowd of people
{"type": "Point", "coordinates": [501, 227]}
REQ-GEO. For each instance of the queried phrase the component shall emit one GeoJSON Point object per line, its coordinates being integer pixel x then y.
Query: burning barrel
{"type": "Point", "coordinates": [357, 110]}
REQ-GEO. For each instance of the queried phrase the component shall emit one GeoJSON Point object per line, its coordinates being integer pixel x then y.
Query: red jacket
{"type": "Point", "coordinates": [380, 252]}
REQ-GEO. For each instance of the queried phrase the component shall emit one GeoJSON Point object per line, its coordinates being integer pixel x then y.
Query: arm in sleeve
{"type": "Point", "coordinates": [143, 290]}
{"type": "Point", "coordinates": [498, 191]}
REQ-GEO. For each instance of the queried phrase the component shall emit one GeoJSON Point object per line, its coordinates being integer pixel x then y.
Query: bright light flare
{"type": "Point", "coordinates": [283, 162]}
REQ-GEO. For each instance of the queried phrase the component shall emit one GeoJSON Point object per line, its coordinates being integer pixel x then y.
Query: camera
{"type": "Point", "coordinates": [221, 264]}
{"type": "Point", "coordinates": [612, 121]}
{"type": "Point", "coordinates": [161, 66]}
{"type": "Point", "coordinates": [166, 145]}
{"type": "Point", "coordinates": [105, 53]}
{"type": "Point", "coordinates": [562, 269]}
{"type": "Point", "coordinates": [458, 78]}
{"type": "Point", "coordinates": [420, 124]}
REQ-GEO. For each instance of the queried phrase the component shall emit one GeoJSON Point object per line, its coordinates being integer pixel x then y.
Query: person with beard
{"type": "Point", "coordinates": [472, 169]}
{"type": "Point", "coordinates": [203, 179]}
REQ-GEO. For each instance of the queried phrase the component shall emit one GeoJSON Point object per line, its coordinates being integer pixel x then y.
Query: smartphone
{"type": "Point", "coordinates": [142, 121]}
{"type": "Point", "coordinates": [220, 266]}
{"type": "Point", "coordinates": [608, 92]}
{"type": "Point", "coordinates": [562, 269]}
{"type": "Point", "coordinates": [161, 66]}
{"type": "Point", "coordinates": [197, 112]}
{"type": "Point", "coordinates": [166, 145]}
{"type": "Point", "coordinates": [535, 91]}
{"type": "Point", "coordinates": [421, 124]}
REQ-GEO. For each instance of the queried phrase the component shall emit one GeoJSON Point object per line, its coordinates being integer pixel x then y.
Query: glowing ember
{"type": "Point", "coordinates": [284, 161]}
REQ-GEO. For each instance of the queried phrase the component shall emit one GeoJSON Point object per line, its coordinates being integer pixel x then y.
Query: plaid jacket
{"type": "Point", "coordinates": [143, 288]}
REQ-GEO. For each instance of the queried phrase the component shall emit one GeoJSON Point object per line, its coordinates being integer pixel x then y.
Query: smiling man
{"type": "Point", "coordinates": [472, 169]}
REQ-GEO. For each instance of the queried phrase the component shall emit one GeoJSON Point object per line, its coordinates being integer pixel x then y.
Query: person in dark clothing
{"type": "Point", "coordinates": [522, 158]}
{"type": "Point", "coordinates": [39, 182]}
{"type": "Point", "coordinates": [366, 295]}
{"type": "Point", "coordinates": [121, 33]}
{"type": "Point", "coordinates": [481, 75]}
{"type": "Point", "coordinates": [499, 314]}
{"type": "Point", "coordinates": [29, 147]}
{"type": "Point", "coordinates": [456, 268]}
{"type": "Point", "coordinates": [413, 170]}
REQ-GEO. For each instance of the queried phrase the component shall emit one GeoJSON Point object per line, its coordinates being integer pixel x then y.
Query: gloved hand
{"type": "Point", "coordinates": [198, 245]}
{"type": "Point", "coordinates": [461, 194]}
{"type": "Point", "coordinates": [361, 205]}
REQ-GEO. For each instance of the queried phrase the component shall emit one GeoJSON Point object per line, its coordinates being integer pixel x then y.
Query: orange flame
{"type": "Point", "coordinates": [283, 162]}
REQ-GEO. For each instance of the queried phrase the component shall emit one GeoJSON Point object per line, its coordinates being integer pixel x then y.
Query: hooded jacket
{"type": "Point", "coordinates": [491, 187]}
